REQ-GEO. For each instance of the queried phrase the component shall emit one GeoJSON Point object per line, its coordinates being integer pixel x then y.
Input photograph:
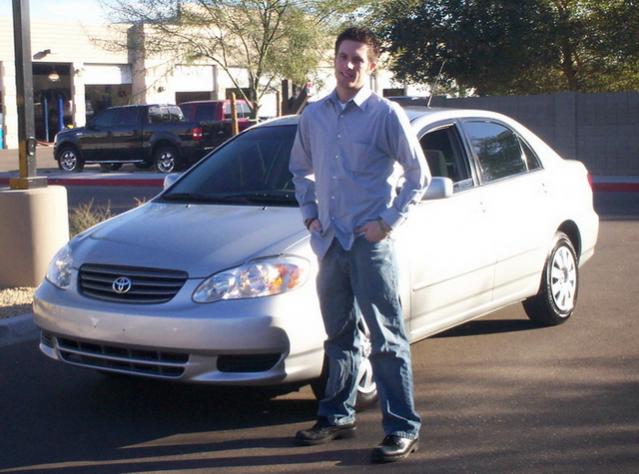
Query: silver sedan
{"type": "Point", "coordinates": [213, 280]}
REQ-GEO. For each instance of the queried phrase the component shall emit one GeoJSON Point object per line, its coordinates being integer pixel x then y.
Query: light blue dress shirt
{"type": "Point", "coordinates": [343, 162]}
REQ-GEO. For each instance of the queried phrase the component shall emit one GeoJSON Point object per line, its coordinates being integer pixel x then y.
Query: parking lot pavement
{"type": "Point", "coordinates": [17, 329]}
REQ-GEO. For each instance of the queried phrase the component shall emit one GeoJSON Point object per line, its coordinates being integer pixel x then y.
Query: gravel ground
{"type": "Point", "coordinates": [15, 301]}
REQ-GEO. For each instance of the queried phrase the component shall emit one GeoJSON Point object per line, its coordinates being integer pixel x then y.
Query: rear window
{"type": "Point", "coordinates": [165, 114]}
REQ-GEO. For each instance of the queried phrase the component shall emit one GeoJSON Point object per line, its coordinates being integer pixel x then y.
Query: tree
{"type": "Point", "coordinates": [265, 39]}
{"type": "Point", "coordinates": [511, 47]}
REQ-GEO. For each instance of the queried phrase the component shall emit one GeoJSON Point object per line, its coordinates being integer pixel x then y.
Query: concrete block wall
{"type": "Point", "coordinates": [601, 130]}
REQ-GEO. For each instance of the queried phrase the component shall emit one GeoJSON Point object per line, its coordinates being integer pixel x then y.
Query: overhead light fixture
{"type": "Point", "coordinates": [54, 76]}
{"type": "Point", "coordinates": [41, 54]}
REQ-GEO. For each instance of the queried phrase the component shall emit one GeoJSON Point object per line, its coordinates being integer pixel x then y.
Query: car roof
{"type": "Point", "coordinates": [416, 115]}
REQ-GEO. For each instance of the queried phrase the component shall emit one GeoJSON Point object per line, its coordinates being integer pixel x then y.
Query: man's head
{"type": "Point", "coordinates": [356, 53]}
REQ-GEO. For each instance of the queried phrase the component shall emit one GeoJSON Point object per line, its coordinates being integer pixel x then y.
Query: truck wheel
{"type": "Point", "coordinates": [69, 160]}
{"type": "Point", "coordinates": [110, 166]}
{"type": "Point", "coordinates": [166, 159]}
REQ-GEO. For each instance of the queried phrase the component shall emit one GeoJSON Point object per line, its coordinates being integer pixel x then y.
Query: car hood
{"type": "Point", "coordinates": [197, 238]}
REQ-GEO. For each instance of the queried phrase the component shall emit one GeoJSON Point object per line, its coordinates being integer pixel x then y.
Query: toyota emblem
{"type": "Point", "coordinates": [122, 285]}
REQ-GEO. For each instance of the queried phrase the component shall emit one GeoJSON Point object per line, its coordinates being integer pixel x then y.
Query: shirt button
{"type": "Point", "coordinates": [333, 197]}
{"type": "Point", "coordinates": [334, 177]}
{"type": "Point", "coordinates": [339, 136]}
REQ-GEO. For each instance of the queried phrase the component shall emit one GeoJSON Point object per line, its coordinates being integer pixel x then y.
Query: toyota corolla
{"type": "Point", "coordinates": [212, 281]}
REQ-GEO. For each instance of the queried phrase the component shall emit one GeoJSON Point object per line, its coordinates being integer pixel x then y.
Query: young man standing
{"type": "Point", "coordinates": [342, 161]}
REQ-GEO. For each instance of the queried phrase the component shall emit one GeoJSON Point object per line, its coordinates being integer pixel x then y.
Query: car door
{"type": "Point", "coordinates": [515, 195]}
{"type": "Point", "coordinates": [446, 243]}
{"type": "Point", "coordinates": [95, 138]}
{"type": "Point", "coordinates": [125, 136]}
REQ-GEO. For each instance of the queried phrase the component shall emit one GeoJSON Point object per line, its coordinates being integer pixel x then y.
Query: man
{"type": "Point", "coordinates": [342, 161]}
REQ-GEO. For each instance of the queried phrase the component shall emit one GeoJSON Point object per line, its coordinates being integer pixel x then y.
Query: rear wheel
{"type": "Point", "coordinates": [557, 296]}
{"type": "Point", "coordinates": [366, 387]}
{"type": "Point", "coordinates": [69, 160]}
{"type": "Point", "coordinates": [111, 166]}
{"type": "Point", "coordinates": [165, 159]}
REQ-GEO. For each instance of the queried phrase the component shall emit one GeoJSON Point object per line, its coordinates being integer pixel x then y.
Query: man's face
{"type": "Point", "coordinates": [352, 66]}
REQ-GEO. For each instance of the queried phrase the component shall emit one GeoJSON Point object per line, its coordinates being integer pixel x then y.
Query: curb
{"type": "Point", "coordinates": [99, 181]}
{"type": "Point", "coordinates": [18, 329]}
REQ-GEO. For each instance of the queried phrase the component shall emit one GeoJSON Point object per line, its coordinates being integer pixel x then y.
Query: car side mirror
{"type": "Point", "coordinates": [169, 179]}
{"type": "Point", "coordinates": [439, 188]}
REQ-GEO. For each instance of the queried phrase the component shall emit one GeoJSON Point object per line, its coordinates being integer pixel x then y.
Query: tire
{"type": "Point", "coordinates": [110, 166]}
{"type": "Point", "coordinates": [69, 160]}
{"type": "Point", "coordinates": [557, 296]}
{"type": "Point", "coordinates": [143, 166]}
{"type": "Point", "coordinates": [165, 159]}
{"type": "Point", "coordinates": [366, 387]}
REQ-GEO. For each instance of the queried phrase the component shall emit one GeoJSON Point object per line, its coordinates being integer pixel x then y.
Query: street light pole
{"type": "Point", "coordinates": [24, 91]}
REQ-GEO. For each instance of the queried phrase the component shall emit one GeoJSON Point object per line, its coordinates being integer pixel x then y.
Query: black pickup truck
{"type": "Point", "coordinates": [146, 135]}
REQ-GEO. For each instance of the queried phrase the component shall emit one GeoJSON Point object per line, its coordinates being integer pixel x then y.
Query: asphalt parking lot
{"type": "Point", "coordinates": [497, 395]}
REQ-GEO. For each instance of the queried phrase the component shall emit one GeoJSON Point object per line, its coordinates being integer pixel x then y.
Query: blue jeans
{"type": "Point", "coordinates": [364, 281]}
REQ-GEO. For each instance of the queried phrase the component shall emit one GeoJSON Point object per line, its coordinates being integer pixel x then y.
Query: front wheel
{"type": "Point", "coordinates": [557, 296]}
{"type": "Point", "coordinates": [366, 387]}
{"type": "Point", "coordinates": [165, 159]}
{"type": "Point", "coordinates": [69, 160]}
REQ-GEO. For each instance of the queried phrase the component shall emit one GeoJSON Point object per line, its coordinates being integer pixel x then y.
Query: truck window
{"type": "Point", "coordinates": [165, 114]}
{"type": "Point", "coordinates": [126, 117]}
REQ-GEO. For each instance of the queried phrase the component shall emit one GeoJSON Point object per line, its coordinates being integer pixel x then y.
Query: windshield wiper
{"type": "Point", "coordinates": [186, 197]}
{"type": "Point", "coordinates": [261, 197]}
{"type": "Point", "coordinates": [252, 197]}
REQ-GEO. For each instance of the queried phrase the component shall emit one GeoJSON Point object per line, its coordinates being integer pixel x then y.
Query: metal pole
{"type": "Point", "coordinates": [24, 91]}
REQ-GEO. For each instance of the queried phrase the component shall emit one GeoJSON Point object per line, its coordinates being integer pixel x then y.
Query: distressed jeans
{"type": "Point", "coordinates": [364, 281]}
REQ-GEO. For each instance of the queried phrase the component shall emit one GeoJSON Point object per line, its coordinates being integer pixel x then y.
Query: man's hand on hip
{"type": "Point", "coordinates": [374, 231]}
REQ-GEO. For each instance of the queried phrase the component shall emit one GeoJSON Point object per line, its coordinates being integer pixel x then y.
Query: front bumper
{"type": "Point", "coordinates": [262, 341]}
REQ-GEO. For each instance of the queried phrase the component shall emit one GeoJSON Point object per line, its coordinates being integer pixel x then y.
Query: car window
{"type": "Point", "coordinates": [165, 114]}
{"type": "Point", "coordinates": [243, 110]}
{"type": "Point", "coordinates": [126, 117]}
{"type": "Point", "coordinates": [104, 119]}
{"type": "Point", "coordinates": [256, 161]}
{"type": "Point", "coordinates": [444, 154]}
{"type": "Point", "coordinates": [532, 161]}
{"type": "Point", "coordinates": [497, 149]}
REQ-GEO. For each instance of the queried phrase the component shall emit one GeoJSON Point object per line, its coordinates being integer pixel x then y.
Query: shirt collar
{"type": "Point", "coordinates": [359, 100]}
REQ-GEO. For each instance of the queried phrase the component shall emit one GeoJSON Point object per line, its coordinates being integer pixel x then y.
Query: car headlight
{"type": "Point", "coordinates": [59, 271]}
{"type": "Point", "coordinates": [263, 277]}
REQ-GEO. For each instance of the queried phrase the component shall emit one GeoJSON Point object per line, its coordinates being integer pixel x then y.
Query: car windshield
{"type": "Point", "coordinates": [252, 169]}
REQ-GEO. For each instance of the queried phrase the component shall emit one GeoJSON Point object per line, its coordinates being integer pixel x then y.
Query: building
{"type": "Point", "coordinates": [78, 71]}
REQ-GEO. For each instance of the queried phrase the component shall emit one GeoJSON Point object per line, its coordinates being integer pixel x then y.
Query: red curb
{"type": "Point", "coordinates": [616, 187]}
{"type": "Point", "coordinates": [158, 183]}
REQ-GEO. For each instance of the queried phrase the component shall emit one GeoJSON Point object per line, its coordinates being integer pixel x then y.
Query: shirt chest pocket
{"type": "Point", "coordinates": [363, 157]}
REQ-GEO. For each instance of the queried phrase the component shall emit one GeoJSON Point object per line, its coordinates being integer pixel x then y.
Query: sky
{"type": "Point", "coordinates": [88, 11]}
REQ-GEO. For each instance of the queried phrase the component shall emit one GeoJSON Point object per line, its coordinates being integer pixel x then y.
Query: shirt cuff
{"type": "Point", "coordinates": [391, 217]}
{"type": "Point", "coordinates": [309, 211]}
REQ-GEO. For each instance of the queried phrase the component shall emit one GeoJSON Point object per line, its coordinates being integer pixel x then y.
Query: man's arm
{"type": "Point", "coordinates": [405, 148]}
{"type": "Point", "coordinates": [301, 166]}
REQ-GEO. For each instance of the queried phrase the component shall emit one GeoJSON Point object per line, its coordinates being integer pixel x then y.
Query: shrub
{"type": "Point", "coordinates": [87, 215]}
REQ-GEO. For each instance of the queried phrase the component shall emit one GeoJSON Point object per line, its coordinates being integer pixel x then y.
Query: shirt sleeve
{"type": "Point", "coordinates": [405, 148]}
{"type": "Point", "coordinates": [301, 166]}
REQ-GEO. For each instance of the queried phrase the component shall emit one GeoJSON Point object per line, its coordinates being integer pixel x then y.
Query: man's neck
{"type": "Point", "coordinates": [346, 94]}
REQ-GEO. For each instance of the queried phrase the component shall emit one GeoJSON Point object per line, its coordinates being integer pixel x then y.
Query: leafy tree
{"type": "Point", "coordinates": [265, 39]}
{"type": "Point", "coordinates": [512, 47]}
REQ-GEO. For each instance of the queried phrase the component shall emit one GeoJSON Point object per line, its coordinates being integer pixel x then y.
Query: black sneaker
{"type": "Point", "coordinates": [323, 432]}
{"type": "Point", "coordinates": [394, 448]}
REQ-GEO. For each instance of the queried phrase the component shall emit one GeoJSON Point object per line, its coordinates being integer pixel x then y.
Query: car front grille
{"type": "Point", "coordinates": [124, 359]}
{"type": "Point", "coordinates": [130, 284]}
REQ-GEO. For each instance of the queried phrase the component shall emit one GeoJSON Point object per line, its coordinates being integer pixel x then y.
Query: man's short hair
{"type": "Point", "coordinates": [361, 35]}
